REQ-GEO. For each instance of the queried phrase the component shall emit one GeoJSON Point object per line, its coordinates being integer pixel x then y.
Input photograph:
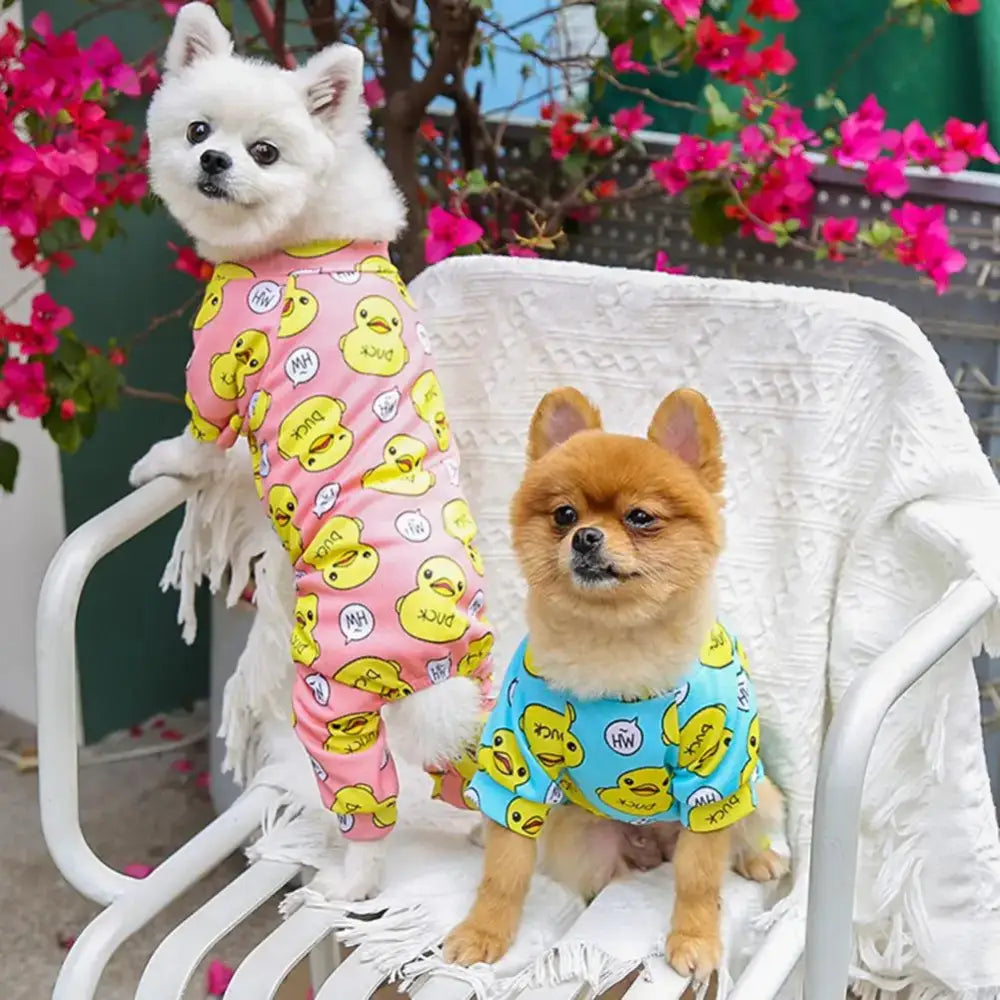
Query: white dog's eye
{"type": "Point", "coordinates": [198, 132]}
{"type": "Point", "coordinates": [264, 153]}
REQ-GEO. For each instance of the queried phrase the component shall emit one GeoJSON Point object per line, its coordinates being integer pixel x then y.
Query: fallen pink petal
{"type": "Point", "coordinates": [137, 870]}
{"type": "Point", "coordinates": [171, 735]}
{"type": "Point", "coordinates": [203, 780]}
{"type": "Point", "coordinates": [217, 978]}
{"type": "Point", "coordinates": [184, 766]}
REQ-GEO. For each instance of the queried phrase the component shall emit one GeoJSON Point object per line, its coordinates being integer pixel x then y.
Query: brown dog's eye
{"type": "Point", "coordinates": [565, 516]}
{"type": "Point", "coordinates": [639, 518]}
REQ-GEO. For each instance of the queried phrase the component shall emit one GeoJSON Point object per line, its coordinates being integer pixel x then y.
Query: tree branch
{"type": "Point", "coordinates": [323, 21]}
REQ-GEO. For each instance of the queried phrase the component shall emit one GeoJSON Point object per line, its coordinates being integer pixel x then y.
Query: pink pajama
{"type": "Point", "coordinates": [317, 355]}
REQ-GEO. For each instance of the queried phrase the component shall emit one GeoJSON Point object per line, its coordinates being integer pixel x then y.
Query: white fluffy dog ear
{"type": "Point", "coordinates": [197, 33]}
{"type": "Point", "coordinates": [332, 82]}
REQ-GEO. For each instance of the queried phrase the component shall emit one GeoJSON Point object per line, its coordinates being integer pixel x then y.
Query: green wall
{"type": "Point", "coordinates": [132, 660]}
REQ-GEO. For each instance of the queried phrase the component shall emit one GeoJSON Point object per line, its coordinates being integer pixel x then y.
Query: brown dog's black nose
{"type": "Point", "coordinates": [215, 162]}
{"type": "Point", "coordinates": [587, 540]}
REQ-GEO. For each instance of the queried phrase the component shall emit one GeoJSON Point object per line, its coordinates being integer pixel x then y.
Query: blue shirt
{"type": "Point", "coordinates": [688, 755]}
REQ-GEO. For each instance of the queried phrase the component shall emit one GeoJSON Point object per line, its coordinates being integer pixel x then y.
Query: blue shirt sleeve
{"type": "Point", "coordinates": [510, 787]}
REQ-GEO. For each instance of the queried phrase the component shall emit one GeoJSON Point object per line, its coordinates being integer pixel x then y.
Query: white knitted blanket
{"type": "Point", "coordinates": [857, 494]}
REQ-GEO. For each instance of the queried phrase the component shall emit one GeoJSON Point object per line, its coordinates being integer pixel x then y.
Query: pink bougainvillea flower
{"type": "Point", "coordinates": [117, 357]}
{"type": "Point", "coordinates": [22, 385]}
{"type": "Point", "coordinates": [621, 59]}
{"type": "Point", "coordinates": [963, 142]}
{"type": "Point", "coordinates": [885, 176]}
{"type": "Point", "coordinates": [862, 134]}
{"type": "Point", "coordinates": [373, 93]}
{"type": "Point", "coordinates": [517, 250]}
{"type": "Point", "coordinates": [203, 781]}
{"type": "Point", "coordinates": [789, 127]}
{"type": "Point", "coordinates": [918, 146]}
{"type": "Point", "coordinates": [171, 735]}
{"type": "Point", "coordinates": [67, 409]}
{"type": "Point", "coordinates": [785, 192]}
{"type": "Point", "coordinates": [662, 263]}
{"type": "Point", "coordinates": [563, 136]}
{"type": "Point", "coordinates": [754, 144]}
{"type": "Point", "coordinates": [217, 978]}
{"type": "Point", "coordinates": [777, 10]}
{"type": "Point", "coordinates": [182, 766]}
{"type": "Point", "coordinates": [447, 232]}
{"type": "Point", "coordinates": [188, 262]}
{"type": "Point", "coordinates": [628, 121]}
{"type": "Point", "coordinates": [964, 6]}
{"type": "Point", "coordinates": [429, 130]}
{"type": "Point", "coordinates": [605, 189]}
{"type": "Point", "coordinates": [777, 59]}
{"type": "Point", "coordinates": [692, 155]}
{"type": "Point", "coordinates": [137, 870]}
{"type": "Point", "coordinates": [924, 245]}
{"type": "Point", "coordinates": [838, 232]}
{"type": "Point", "coordinates": [682, 11]}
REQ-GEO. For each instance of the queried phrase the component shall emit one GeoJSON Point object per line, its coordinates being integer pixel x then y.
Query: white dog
{"type": "Point", "coordinates": [287, 164]}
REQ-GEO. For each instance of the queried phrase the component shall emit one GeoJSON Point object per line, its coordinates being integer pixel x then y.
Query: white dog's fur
{"type": "Point", "coordinates": [326, 183]}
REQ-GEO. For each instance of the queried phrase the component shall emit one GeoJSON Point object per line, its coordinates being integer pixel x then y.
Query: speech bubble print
{"type": "Point", "coordinates": [624, 736]}
{"type": "Point", "coordinates": [413, 526]}
{"type": "Point", "coordinates": [681, 692]}
{"type": "Point", "coordinates": [439, 670]}
{"type": "Point", "coordinates": [320, 688]}
{"type": "Point", "coordinates": [452, 468]}
{"type": "Point", "coordinates": [265, 463]}
{"type": "Point", "coordinates": [742, 692]}
{"type": "Point", "coordinates": [326, 498]}
{"type": "Point", "coordinates": [386, 405]}
{"type": "Point", "coordinates": [345, 821]}
{"type": "Point", "coordinates": [702, 796]}
{"type": "Point", "coordinates": [356, 622]}
{"type": "Point", "coordinates": [477, 603]}
{"type": "Point", "coordinates": [264, 296]}
{"type": "Point", "coordinates": [511, 688]}
{"type": "Point", "coordinates": [554, 795]}
{"type": "Point", "coordinates": [423, 336]}
{"type": "Point", "coordinates": [318, 769]}
{"type": "Point", "coordinates": [301, 365]}
{"type": "Point", "coordinates": [346, 277]}
{"type": "Point", "coordinates": [471, 797]}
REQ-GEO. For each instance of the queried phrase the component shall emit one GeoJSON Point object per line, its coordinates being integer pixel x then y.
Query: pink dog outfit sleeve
{"type": "Point", "coordinates": [317, 354]}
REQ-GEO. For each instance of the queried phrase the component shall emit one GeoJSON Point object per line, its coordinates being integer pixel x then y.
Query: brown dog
{"type": "Point", "coordinates": [626, 622]}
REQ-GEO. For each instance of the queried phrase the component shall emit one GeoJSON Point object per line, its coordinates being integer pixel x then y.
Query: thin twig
{"type": "Point", "coordinates": [646, 94]}
{"type": "Point", "coordinates": [166, 318]}
{"type": "Point", "coordinates": [890, 20]}
{"type": "Point", "coordinates": [162, 397]}
{"type": "Point", "coordinates": [22, 291]}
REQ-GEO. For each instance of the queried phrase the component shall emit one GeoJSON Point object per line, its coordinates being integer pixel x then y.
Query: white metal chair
{"type": "Point", "coordinates": [823, 939]}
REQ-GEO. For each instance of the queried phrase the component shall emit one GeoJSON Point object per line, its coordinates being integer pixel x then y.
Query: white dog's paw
{"type": "Point", "coordinates": [364, 870]}
{"type": "Point", "coordinates": [180, 456]}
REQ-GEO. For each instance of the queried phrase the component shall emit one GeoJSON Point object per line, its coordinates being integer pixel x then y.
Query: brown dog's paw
{"type": "Point", "coordinates": [763, 866]}
{"type": "Point", "coordinates": [693, 955]}
{"type": "Point", "coordinates": [469, 943]}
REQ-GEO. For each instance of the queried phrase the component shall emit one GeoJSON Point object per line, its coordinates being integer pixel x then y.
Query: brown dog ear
{"type": "Point", "coordinates": [685, 425]}
{"type": "Point", "coordinates": [561, 414]}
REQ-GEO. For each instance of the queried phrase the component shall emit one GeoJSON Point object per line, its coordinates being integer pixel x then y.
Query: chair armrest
{"type": "Point", "coordinates": [58, 695]}
{"type": "Point", "coordinates": [842, 766]}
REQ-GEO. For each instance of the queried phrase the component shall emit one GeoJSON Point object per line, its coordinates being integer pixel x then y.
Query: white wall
{"type": "Point", "coordinates": [32, 520]}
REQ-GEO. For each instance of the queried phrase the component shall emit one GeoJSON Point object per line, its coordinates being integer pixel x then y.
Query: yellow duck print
{"type": "Point", "coordinates": [305, 648]}
{"type": "Point", "coordinates": [717, 650]}
{"type": "Point", "coordinates": [298, 310]}
{"type": "Point", "coordinates": [260, 403]}
{"type": "Point", "coordinates": [281, 507]}
{"type": "Point", "coordinates": [503, 761]}
{"type": "Point", "coordinates": [317, 248]}
{"type": "Point", "coordinates": [375, 345]}
{"type": "Point", "coordinates": [526, 818]}
{"type": "Point", "coordinates": [573, 794]}
{"type": "Point", "coordinates": [402, 472]}
{"type": "Point", "coordinates": [312, 432]}
{"type": "Point", "coordinates": [201, 429]}
{"type": "Point", "coordinates": [716, 815]}
{"type": "Point", "coordinates": [478, 650]}
{"type": "Point", "coordinates": [461, 525]}
{"type": "Point", "coordinates": [753, 750]}
{"type": "Point", "coordinates": [430, 612]}
{"type": "Point", "coordinates": [550, 737]}
{"type": "Point", "coordinates": [360, 798]}
{"type": "Point", "coordinates": [384, 268]}
{"type": "Point", "coordinates": [211, 303]}
{"type": "Point", "coordinates": [530, 664]}
{"type": "Point", "coordinates": [340, 555]}
{"type": "Point", "coordinates": [351, 733]}
{"type": "Point", "coordinates": [378, 676]}
{"type": "Point", "coordinates": [702, 741]}
{"type": "Point", "coordinates": [428, 404]}
{"type": "Point", "coordinates": [644, 791]}
{"type": "Point", "coordinates": [228, 372]}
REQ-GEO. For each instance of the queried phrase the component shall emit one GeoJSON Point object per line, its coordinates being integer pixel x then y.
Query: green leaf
{"type": "Point", "coordinates": [901, 4]}
{"type": "Point", "coordinates": [94, 92]}
{"type": "Point", "coordinates": [70, 353]}
{"type": "Point", "coordinates": [9, 457]}
{"type": "Point", "coordinates": [224, 8]}
{"type": "Point", "coordinates": [481, 4]}
{"type": "Point", "coordinates": [66, 433]}
{"type": "Point", "coordinates": [709, 223]}
{"type": "Point", "coordinates": [528, 43]}
{"type": "Point", "coordinates": [824, 100]}
{"type": "Point", "coordinates": [662, 40]}
{"type": "Point", "coordinates": [927, 27]}
{"type": "Point", "coordinates": [822, 252]}
{"type": "Point", "coordinates": [7, 4]}
{"type": "Point", "coordinates": [105, 383]}
{"type": "Point", "coordinates": [475, 182]}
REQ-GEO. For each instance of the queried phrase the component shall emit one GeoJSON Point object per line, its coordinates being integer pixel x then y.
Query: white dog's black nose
{"type": "Point", "coordinates": [587, 540]}
{"type": "Point", "coordinates": [215, 162]}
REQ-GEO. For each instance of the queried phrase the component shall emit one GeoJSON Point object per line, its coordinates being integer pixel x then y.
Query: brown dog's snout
{"type": "Point", "coordinates": [586, 541]}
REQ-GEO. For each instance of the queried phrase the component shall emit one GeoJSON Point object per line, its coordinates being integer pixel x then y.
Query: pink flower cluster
{"type": "Point", "coordinates": [78, 161]}
{"type": "Point", "coordinates": [567, 134]}
{"type": "Point", "coordinates": [447, 232]}
{"type": "Point", "coordinates": [924, 244]}
{"type": "Point", "coordinates": [731, 56]}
